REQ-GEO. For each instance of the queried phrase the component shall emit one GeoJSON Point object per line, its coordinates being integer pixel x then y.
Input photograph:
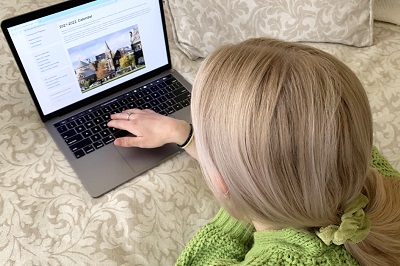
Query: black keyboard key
{"type": "Point", "coordinates": [78, 154]}
{"type": "Point", "coordinates": [163, 106]}
{"type": "Point", "coordinates": [62, 129]}
{"type": "Point", "coordinates": [177, 85]}
{"type": "Point", "coordinates": [89, 117]}
{"type": "Point", "coordinates": [132, 106]}
{"type": "Point", "coordinates": [182, 97]}
{"type": "Point", "coordinates": [161, 86]}
{"type": "Point", "coordinates": [89, 124]}
{"type": "Point", "coordinates": [80, 121]}
{"type": "Point", "coordinates": [156, 109]}
{"type": "Point", "coordinates": [98, 120]}
{"type": "Point", "coordinates": [79, 145]}
{"type": "Point", "coordinates": [177, 107]}
{"type": "Point", "coordinates": [123, 102]}
{"type": "Point", "coordinates": [97, 113]}
{"type": "Point", "coordinates": [170, 103]}
{"type": "Point", "coordinates": [139, 95]}
{"type": "Point", "coordinates": [95, 129]}
{"type": "Point", "coordinates": [106, 117]}
{"type": "Point", "coordinates": [88, 149]}
{"type": "Point", "coordinates": [169, 110]}
{"type": "Point", "coordinates": [98, 144]}
{"type": "Point", "coordinates": [74, 139]}
{"type": "Point", "coordinates": [179, 91]}
{"type": "Point", "coordinates": [169, 96]}
{"type": "Point", "coordinates": [86, 133]}
{"type": "Point", "coordinates": [68, 134]}
{"type": "Point", "coordinates": [108, 139]}
{"type": "Point", "coordinates": [146, 92]}
{"type": "Point", "coordinates": [80, 129]}
{"type": "Point", "coordinates": [103, 125]}
{"type": "Point", "coordinates": [169, 81]}
{"type": "Point", "coordinates": [153, 88]}
{"type": "Point", "coordinates": [146, 106]}
{"type": "Point", "coordinates": [105, 133]}
{"type": "Point", "coordinates": [155, 95]}
{"type": "Point", "coordinates": [154, 103]}
{"type": "Point", "coordinates": [185, 103]}
{"type": "Point", "coordinates": [162, 99]}
{"type": "Point", "coordinates": [71, 125]}
{"type": "Point", "coordinates": [106, 109]}
{"type": "Point", "coordinates": [131, 98]}
{"type": "Point", "coordinates": [113, 130]}
{"type": "Point", "coordinates": [139, 102]}
{"type": "Point", "coordinates": [114, 106]}
{"type": "Point", "coordinates": [95, 137]}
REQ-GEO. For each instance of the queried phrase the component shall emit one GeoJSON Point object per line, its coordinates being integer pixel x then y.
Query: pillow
{"type": "Point", "coordinates": [199, 26]}
{"type": "Point", "coordinates": [387, 11]}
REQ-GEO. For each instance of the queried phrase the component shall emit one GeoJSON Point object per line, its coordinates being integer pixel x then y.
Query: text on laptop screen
{"type": "Point", "coordinates": [77, 53]}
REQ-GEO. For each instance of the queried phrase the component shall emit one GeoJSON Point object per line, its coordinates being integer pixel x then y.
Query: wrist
{"type": "Point", "coordinates": [181, 132]}
{"type": "Point", "coordinates": [188, 140]}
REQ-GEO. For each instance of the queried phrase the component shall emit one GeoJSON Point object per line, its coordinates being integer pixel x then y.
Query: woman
{"type": "Point", "coordinates": [283, 133]}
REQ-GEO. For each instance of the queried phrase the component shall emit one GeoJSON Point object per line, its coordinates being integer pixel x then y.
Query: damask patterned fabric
{"type": "Point", "coordinates": [387, 10]}
{"type": "Point", "coordinates": [201, 26]}
{"type": "Point", "coordinates": [47, 217]}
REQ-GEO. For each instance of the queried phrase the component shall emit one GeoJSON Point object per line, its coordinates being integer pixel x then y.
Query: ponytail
{"type": "Point", "coordinates": [382, 245]}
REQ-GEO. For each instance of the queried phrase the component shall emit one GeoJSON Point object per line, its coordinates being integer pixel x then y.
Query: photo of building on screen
{"type": "Point", "coordinates": [105, 59]}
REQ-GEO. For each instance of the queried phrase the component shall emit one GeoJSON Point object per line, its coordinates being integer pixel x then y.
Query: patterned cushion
{"type": "Point", "coordinates": [199, 26]}
{"type": "Point", "coordinates": [387, 11]}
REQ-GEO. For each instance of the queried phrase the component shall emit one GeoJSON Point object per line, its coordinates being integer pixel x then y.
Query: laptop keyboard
{"type": "Point", "coordinates": [88, 131]}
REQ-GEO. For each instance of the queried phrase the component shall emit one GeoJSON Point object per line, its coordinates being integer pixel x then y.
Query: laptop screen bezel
{"type": "Point", "coordinates": [36, 14]}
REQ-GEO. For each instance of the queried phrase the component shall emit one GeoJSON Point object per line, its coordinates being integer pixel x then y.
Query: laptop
{"type": "Point", "coordinates": [84, 60]}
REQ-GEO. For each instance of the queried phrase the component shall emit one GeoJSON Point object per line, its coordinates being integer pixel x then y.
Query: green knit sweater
{"type": "Point", "coordinates": [227, 241]}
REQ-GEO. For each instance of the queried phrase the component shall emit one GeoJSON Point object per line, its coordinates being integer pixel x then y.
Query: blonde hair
{"type": "Point", "coordinates": [289, 129]}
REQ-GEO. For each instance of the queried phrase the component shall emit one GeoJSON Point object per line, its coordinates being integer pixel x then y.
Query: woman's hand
{"type": "Point", "coordinates": [151, 129]}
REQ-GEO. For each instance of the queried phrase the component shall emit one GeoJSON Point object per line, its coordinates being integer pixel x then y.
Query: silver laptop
{"type": "Point", "coordinates": [84, 60]}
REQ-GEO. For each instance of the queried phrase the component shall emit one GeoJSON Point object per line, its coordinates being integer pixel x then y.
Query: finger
{"type": "Point", "coordinates": [149, 111]}
{"type": "Point", "coordinates": [123, 116]}
{"type": "Point", "coordinates": [121, 124]}
{"type": "Point", "coordinates": [119, 116]}
{"type": "Point", "coordinates": [127, 142]}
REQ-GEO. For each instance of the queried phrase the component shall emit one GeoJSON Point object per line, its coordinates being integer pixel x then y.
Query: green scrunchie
{"type": "Point", "coordinates": [354, 228]}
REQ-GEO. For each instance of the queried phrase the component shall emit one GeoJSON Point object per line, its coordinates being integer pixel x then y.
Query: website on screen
{"type": "Point", "coordinates": [77, 53]}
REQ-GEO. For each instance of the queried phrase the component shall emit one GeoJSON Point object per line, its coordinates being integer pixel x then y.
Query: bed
{"type": "Point", "coordinates": [47, 217]}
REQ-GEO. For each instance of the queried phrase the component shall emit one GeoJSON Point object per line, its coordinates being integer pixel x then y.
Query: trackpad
{"type": "Point", "coordinates": [141, 160]}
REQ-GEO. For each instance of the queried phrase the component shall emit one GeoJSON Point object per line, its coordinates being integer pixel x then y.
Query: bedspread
{"type": "Point", "coordinates": [46, 216]}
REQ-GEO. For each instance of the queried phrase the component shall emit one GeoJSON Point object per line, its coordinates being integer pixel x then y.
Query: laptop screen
{"type": "Point", "coordinates": [82, 51]}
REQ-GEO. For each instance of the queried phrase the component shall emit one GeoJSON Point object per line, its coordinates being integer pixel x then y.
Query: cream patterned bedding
{"type": "Point", "coordinates": [46, 216]}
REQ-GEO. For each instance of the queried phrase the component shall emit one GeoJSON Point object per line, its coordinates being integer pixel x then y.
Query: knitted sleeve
{"type": "Point", "coordinates": [223, 241]}
{"type": "Point", "coordinates": [382, 165]}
